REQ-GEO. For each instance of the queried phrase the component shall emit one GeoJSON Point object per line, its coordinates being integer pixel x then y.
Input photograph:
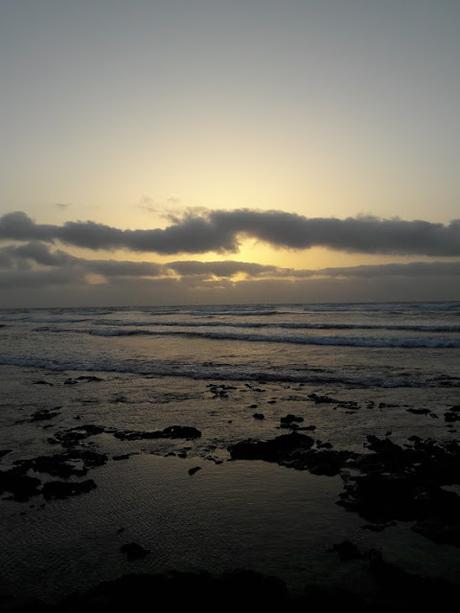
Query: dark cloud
{"type": "Point", "coordinates": [222, 231]}
{"type": "Point", "coordinates": [40, 254]}
{"type": "Point", "coordinates": [226, 268]}
{"type": "Point", "coordinates": [411, 269]}
{"type": "Point", "coordinates": [37, 279]}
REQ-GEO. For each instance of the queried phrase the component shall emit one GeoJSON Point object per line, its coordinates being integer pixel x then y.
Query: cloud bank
{"type": "Point", "coordinates": [38, 269]}
{"type": "Point", "coordinates": [34, 273]}
{"type": "Point", "coordinates": [222, 231]}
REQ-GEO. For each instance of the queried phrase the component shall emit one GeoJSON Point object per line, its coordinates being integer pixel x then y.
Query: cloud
{"type": "Point", "coordinates": [226, 268]}
{"type": "Point", "coordinates": [35, 274]}
{"type": "Point", "coordinates": [222, 231]}
{"type": "Point", "coordinates": [22, 256]}
{"type": "Point", "coordinates": [411, 269]}
{"type": "Point", "coordinates": [36, 253]}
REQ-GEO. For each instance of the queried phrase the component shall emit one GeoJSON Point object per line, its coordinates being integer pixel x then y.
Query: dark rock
{"type": "Point", "coordinates": [67, 464]}
{"type": "Point", "coordinates": [395, 590]}
{"type": "Point", "coordinates": [259, 416]}
{"type": "Point", "coordinates": [419, 411]}
{"type": "Point", "coordinates": [327, 462]}
{"type": "Point", "coordinates": [42, 382]}
{"type": "Point", "coordinates": [173, 432]}
{"type": "Point", "coordinates": [20, 486]}
{"type": "Point", "coordinates": [438, 530]}
{"type": "Point", "coordinates": [451, 416]}
{"type": "Point", "coordinates": [409, 590]}
{"type": "Point", "coordinates": [378, 527]}
{"type": "Point", "coordinates": [290, 419]}
{"type": "Point", "coordinates": [347, 551]}
{"type": "Point", "coordinates": [318, 399]}
{"type": "Point", "coordinates": [44, 414]}
{"type": "Point", "coordinates": [178, 590]}
{"type": "Point", "coordinates": [293, 450]}
{"type": "Point", "coordinates": [278, 450]}
{"type": "Point", "coordinates": [194, 470]}
{"type": "Point", "coordinates": [120, 399]}
{"type": "Point", "coordinates": [64, 489]}
{"type": "Point", "coordinates": [345, 404]}
{"type": "Point", "coordinates": [134, 551]}
{"type": "Point", "coordinates": [407, 484]}
{"type": "Point", "coordinates": [74, 436]}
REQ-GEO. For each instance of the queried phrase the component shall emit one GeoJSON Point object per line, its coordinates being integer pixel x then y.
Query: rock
{"type": "Point", "coordinates": [64, 489]}
{"type": "Point", "coordinates": [289, 419]}
{"type": "Point", "coordinates": [327, 462]}
{"type": "Point", "coordinates": [393, 590]}
{"type": "Point", "coordinates": [20, 486]}
{"type": "Point", "coordinates": [421, 412]}
{"type": "Point", "coordinates": [438, 530]}
{"type": "Point", "coordinates": [73, 436]}
{"type": "Point", "coordinates": [347, 551]}
{"type": "Point", "coordinates": [259, 416]}
{"type": "Point", "coordinates": [134, 551]}
{"type": "Point", "coordinates": [194, 470]}
{"type": "Point", "coordinates": [378, 527]}
{"type": "Point", "coordinates": [42, 382]}
{"type": "Point", "coordinates": [293, 450]}
{"type": "Point", "coordinates": [44, 414]}
{"type": "Point", "coordinates": [186, 432]}
{"type": "Point", "coordinates": [120, 399]}
{"type": "Point", "coordinates": [346, 404]}
{"type": "Point", "coordinates": [406, 484]}
{"type": "Point", "coordinates": [75, 462]}
{"type": "Point", "coordinates": [407, 589]}
{"type": "Point", "coordinates": [451, 416]}
{"type": "Point", "coordinates": [133, 592]}
{"type": "Point", "coordinates": [275, 450]}
{"type": "Point", "coordinates": [317, 399]}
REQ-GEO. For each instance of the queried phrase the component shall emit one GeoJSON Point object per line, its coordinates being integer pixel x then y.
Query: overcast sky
{"type": "Point", "coordinates": [225, 151]}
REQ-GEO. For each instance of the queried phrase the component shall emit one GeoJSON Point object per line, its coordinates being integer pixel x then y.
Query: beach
{"type": "Point", "coordinates": [302, 442]}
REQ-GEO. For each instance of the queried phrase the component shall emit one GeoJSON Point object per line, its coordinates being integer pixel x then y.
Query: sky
{"type": "Point", "coordinates": [211, 151]}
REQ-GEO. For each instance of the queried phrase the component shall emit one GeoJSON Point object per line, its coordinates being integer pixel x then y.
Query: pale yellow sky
{"type": "Point", "coordinates": [325, 109]}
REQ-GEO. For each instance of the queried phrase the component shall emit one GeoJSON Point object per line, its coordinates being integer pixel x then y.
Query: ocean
{"type": "Point", "coordinates": [365, 345]}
